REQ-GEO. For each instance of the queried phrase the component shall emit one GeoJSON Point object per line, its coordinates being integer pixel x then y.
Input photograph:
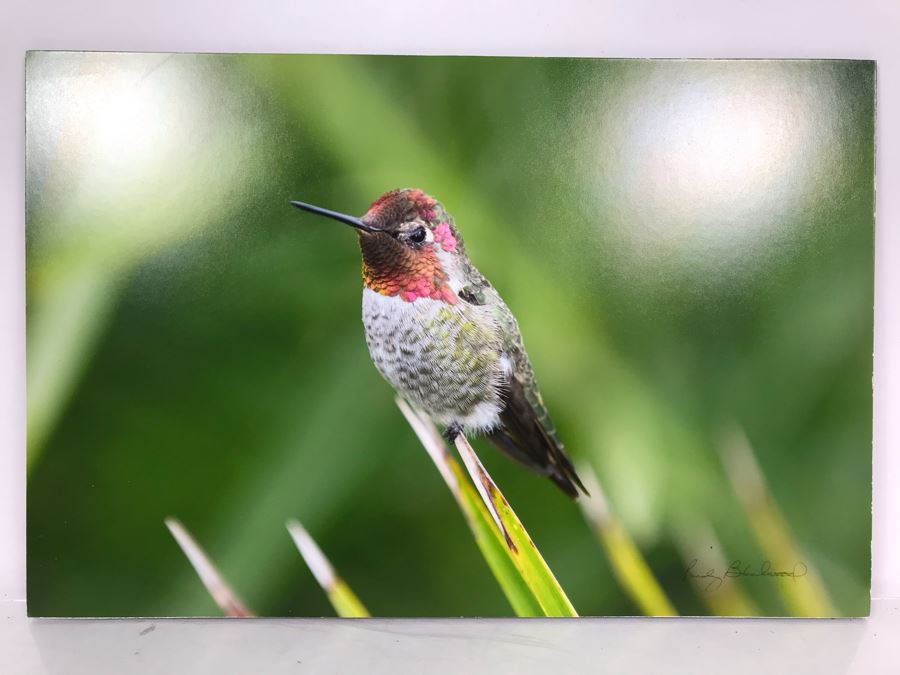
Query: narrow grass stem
{"type": "Point", "coordinates": [518, 566]}
{"type": "Point", "coordinates": [803, 594]}
{"type": "Point", "coordinates": [221, 592]}
{"type": "Point", "coordinates": [341, 596]}
{"type": "Point", "coordinates": [484, 484]}
{"type": "Point", "coordinates": [628, 564]}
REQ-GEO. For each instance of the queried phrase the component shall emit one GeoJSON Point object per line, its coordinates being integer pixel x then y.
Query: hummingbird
{"type": "Point", "coordinates": [443, 338]}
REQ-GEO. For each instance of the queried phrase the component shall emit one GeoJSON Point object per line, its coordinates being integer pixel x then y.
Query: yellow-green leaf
{"type": "Point", "coordinates": [628, 564]}
{"type": "Point", "coordinates": [523, 575]}
{"type": "Point", "coordinates": [341, 596]}
{"type": "Point", "coordinates": [804, 595]}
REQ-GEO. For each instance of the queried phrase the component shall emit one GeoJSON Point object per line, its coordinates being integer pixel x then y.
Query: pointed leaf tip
{"type": "Point", "coordinates": [316, 561]}
{"type": "Point", "coordinates": [340, 595]}
{"type": "Point", "coordinates": [222, 594]}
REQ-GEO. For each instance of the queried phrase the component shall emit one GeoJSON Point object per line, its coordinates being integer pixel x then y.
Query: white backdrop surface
{"type": "Point", "coordinates": [865, 29]}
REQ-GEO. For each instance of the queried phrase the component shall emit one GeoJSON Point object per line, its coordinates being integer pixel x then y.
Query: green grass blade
{"type": "Point", "coordinates": [518, 566]}
{"type": "Point", "coordinates": [525, 555]}
{"type": "Point", "coordinates": [341, 596]}
{"type": "Point", "coordinates": [219, 589]}
{"type": "Point", "coordinates": [804, 595]}
{"type": "Point", "coordinates": [626, 560]}
{"type": "Point", "coordinates": [481, 522]}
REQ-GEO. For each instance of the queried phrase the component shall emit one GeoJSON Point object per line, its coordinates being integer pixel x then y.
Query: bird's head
{"type": "Point", "coordinates": [410, 247]}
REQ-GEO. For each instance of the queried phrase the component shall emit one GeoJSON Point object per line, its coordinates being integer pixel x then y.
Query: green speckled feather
{"type": "Point", "coordinates": [526, 433]}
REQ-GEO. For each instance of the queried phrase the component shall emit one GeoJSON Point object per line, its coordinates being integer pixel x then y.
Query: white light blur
{"type": "Point", "coordinates": [708, 164]}
{"type": "Point", "coordinates": [127, 122]}
{"type": "Point", "coordinates": [130, 152]}
{"type": "Point", "coordinates": [111, 119]}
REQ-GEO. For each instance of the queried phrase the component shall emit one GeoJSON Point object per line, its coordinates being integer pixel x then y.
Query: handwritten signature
{"type": "Point", "coordinates": [739, 569]}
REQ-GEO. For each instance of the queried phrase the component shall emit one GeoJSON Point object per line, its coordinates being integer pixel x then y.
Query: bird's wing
{"type": "Point", "coordinates": [526, 433]}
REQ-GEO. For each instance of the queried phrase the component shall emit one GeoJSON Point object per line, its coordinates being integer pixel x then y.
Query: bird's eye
{"type": "Point", "coordinates": [417, 236]}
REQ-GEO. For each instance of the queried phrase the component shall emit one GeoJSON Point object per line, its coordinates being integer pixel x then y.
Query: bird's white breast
{"type": "Point", "coordinates": [445, 358]}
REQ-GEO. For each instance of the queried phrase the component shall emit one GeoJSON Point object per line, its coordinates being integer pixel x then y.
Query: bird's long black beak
{"type": "Point", "coordinates": [334, 215]}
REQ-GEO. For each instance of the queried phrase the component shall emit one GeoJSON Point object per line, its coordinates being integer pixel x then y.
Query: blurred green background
{"type": "Point", "coordinates": [688, 247]}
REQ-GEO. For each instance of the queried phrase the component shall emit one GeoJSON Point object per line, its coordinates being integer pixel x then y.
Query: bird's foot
{"type": "Point", "coordinates": [452, 431]}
